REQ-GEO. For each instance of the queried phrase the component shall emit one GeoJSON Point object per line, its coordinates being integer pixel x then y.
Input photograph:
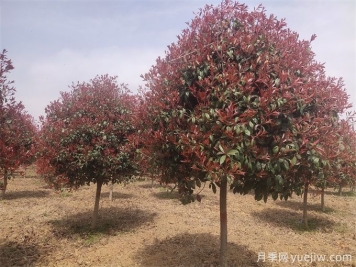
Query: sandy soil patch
{"type": "Point", "coordinates": [147, 226]}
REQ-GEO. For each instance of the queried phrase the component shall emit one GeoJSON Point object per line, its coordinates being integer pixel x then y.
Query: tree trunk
{"type": "Point", "coordinates": [96, 206]}
{"type": "Point", "coordinates": [223, 223]}
{"type": "Point", "coordinates": [305, 199]}
{"type": "Point", "coordinates": [340, 190]}
{"type": "Point", "coordinates": [322, 199]}
{"type": "Point", "coordinates": [111, 188]}
{"type": "Point", "coordinates": [4, 186]}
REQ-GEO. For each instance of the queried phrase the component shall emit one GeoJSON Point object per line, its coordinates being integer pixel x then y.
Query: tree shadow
{"type": "Point", "coordinates": [293, 220]}
{"type": "Point", "coordinates": [191, 250]}
{"type": "Point", "coordinates": [299, 206]}
{"type": "Point", "coordinates": [25, 194]}
{"type": "Point", "coordinates": [111, 221]}
{"type": "Point", "coordinates": [167, 195]}
{"type": "Point", "coordinates": [19, 254]}
{"type": "Point", "coordinates": [116, 195]}
{"type": "Point", "coordinates": [149, 185]}
{"type": "Point", "coordinates": [344, 193]}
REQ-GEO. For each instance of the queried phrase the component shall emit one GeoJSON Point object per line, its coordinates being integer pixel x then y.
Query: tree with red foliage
{"type": "Point", "coordinates": [233, 103]}
{"type": "Point", "coordinates": [85, 137]}
{"type": "Point", "coordinates": [316, 133]}
{"type": "Point", "coordinates": [17, 128]}
{"type": "Point", "coordinates": [343, 167]}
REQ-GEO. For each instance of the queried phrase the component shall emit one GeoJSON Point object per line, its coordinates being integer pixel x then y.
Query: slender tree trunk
{"type": "Point", "coordinates": [340, 190]}
{"type": "Point", "coordinates": [111, 188]}
{"type": "Point", "coordinates": [223, 223]}
{"type": "Point", "coordinates": [305, 200]}
{"type": "Point", "coordinates": [3, 190]}
{"type": "Point", "coordinates": [322, 199]}
{"type": "Point", "coordinates": [96, 206]}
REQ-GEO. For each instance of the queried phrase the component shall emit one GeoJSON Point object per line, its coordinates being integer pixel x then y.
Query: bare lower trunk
{"type": "Point", "coordinates": [4, 186]}
{"type": "Point", "coordinates": [322, 199]}
{"type": "Point", "coordinates": [223, 223]}
{"type": "Point", "coordinates": [96, 206]}
{"type": "Point", "coordinates": [305, 200]}
{"type": "Point", "coordinates": [111, 188]}
{"type": "Point", "coordinates": [340, 190]}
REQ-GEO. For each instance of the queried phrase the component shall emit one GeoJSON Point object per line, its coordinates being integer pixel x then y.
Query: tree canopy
{"type": "Point", "coordinates": [239, 99]}
{"type": "Point", "coordinates": [84, 137]}
{"type": "Point", "coordinates": [17, 128]}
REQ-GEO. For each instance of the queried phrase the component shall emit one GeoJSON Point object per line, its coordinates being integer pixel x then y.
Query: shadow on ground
{"type": "Point", "coordinates": [110, 221]}
{"type": "Point", "coordinates": [19, 254]}
{"type": "Point", "coordinates": [116, 195]}
{"type": "Point", "coordinates": [293, 220]}
{"type": "Point", "coordinates": [299, 206]}
{"type": "Point", "coordinates": [345, 193]}
{"type": "Point", "coordinates": [167, 195]}
{"type": "Point", "coordinates": [149, 185]}
{"type": "Point", "coordinates": [26, 194]}
{"type": "Point", "coordinates": [190, 250]}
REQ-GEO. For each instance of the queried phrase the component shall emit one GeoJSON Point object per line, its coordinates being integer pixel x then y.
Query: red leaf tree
{"type": "Point", "coordinates": [85, 137]}
{"type": "Point", "coordinates": [341, 155]}
{"type": "Point", "coordinates": [233, 103]}
{"type": "Point", "coordinates": [17, 128]}
{"type": "Point", "coordinates": [315, 135]}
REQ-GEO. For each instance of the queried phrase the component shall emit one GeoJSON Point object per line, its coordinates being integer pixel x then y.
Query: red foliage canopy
{"type": "Point", "coordinates": [239, 97]}
{"type": "Point", "coordinates": [17, 128]}
{"type": "Point", "coordinates": [85, 135]}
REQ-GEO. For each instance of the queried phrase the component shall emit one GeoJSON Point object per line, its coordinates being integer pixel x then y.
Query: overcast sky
{"type": "Point", "coordinates": [55, 43]}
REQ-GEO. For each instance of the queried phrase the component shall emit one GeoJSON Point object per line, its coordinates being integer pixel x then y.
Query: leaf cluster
{"type": "Point", "coordinates": [85, 135]}
{"type": "Point", "coordinates": [240, 97]}
{"type": "Point", "coordinates": [17, 128]}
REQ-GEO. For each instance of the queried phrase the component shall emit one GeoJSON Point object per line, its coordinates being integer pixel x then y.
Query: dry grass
{"type": "Point", "coordinates": [148, 226]}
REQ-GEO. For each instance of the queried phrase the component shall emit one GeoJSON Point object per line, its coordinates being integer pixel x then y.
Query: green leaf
{"type": "Point", "coordinates": [276, 81]}
{"type": "Point", "coordinates": [213, 186]}
{"type": "Point", "coordinates": [198, 183]}
{"type": "Point", "coordinates": [233, 152]}
{"type": "Point", "coordinates": [247, 132]}
{"type": "Point", "coordinates": [279, 179]}
{"type": "Point", "coordinates": [274, 195]}
{"type": "Point", "coordinates": [275, 150]}
{"type": "Point", "coordinates": [222, 159]}
{"type": "Point", "coordinates": [286, 165]}
{"type": "Point", "coordinates": [293, 161]}
{"type": "Point", "coordinates": [258, 196]}
{"type": "Point", "coordinates": [221, 149]}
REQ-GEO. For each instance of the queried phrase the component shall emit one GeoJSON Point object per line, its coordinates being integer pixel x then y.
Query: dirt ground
{"type": "Point", "coordinates": [147, 226]}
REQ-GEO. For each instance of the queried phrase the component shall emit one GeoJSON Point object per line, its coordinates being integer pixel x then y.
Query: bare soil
{"type": "Point", "coordinates": [145, 225]}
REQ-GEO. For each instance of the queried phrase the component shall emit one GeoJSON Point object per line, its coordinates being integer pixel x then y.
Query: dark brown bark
{"type": "Point", "coordinates": [223, 223]}
{"type": "Point", "coordinates": [96, 206]}
{"type": "Point", "coordinates": [4, 186]}
{"type": "Point", "coordinates": [111, 188]}
{"type": "Point", "coordinates": [322, 199]}
{"type": "Point", "coordinates": [305, 200]}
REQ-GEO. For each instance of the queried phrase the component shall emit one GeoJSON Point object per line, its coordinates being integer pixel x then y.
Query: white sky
{"type": "Point", "coordinates": [54, 43]}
